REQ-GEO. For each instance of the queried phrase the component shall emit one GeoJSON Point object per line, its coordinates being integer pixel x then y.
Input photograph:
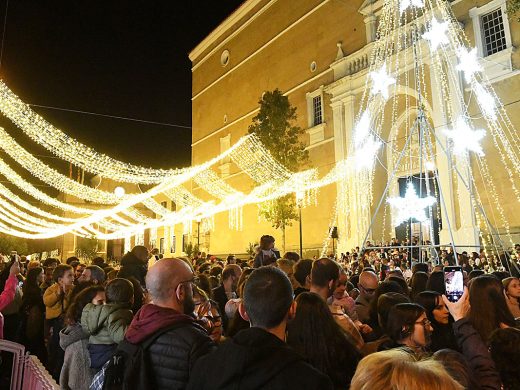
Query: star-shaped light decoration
{"type": "Point", "coordinates": [365, 155]}
{"type": "Point", "coordinates": [405, 4]}
{"type": "Point", "coordinates": [468, 62]}
{"type": "Point", "coordinates": [381, 81]}
{"type": "Point", "coordinates": [362, 129]}
{"type": "Point", "coordinates": [437, 34]}
{"type": "Point", "coordinates": [486, 101]}
{"type": "Point", "coordinates": [465, 139]}
{"type": "Point", "coordinates": [411, 206]}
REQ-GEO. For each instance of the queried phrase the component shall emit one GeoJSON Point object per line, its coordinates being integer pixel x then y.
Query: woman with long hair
{"type": "Point", "coordinates": [76, 372]}
{"type": "Point", "coordinates": [439, 316]}
{"type": "Point", "coordinates": [512, 290]}
{"type": "Point", "coordinates": [31, 331]}
{"type": "Point", "coordinates": [315, 334]}
{"type": "Point", "coordinates": [409, 327]}
{"type": "Point", "coordinates": [489, 309]}
{"type": "Point", "coordinates": [418, 283]}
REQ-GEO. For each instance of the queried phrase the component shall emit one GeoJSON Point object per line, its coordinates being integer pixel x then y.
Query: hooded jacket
{"type": "Point", "coordinates": [256, 359]}
{"type": "Point", "coordinates": [131, 265]}
{"type": "Point", "coordinates": [106, 324]}
{"type": "Point", "coordinates": [173, 354]}
{"type": "Point", "coordinates": [75, 372]}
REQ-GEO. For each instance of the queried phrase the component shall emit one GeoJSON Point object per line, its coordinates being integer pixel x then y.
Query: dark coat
{"type": "Point", "coordinates": [174, 353]}
{"type": "Point", "coordinates": [133, 266]}
{"type": "Point", "coordinates": [477, 354]}
{"type": "Point", "coordinates": [219, 296]}
{"type": "Point", "coordinates": [255, 359]}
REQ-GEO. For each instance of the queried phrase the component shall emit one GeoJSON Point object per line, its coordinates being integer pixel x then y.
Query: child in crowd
{"type": "Point", "coordinates": [106, 324]}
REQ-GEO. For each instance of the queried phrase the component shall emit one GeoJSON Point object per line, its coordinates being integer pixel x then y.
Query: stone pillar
{"type": "Point", "coordinates": [371, 27]}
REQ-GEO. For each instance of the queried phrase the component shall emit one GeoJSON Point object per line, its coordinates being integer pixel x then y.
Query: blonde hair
{"type": "Point", "coordinates": [398, 370]}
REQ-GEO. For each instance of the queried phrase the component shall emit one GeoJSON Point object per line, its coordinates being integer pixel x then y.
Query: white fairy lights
{"type": "Point", "coordinates": [465, 139]}
{"type": "Point", "coordinates": [486, 101]}
{"type": "Point", "coordinates": [405, 4]}
{"type": "Point", "coordinates": [468, 62]}
{"type": "Point", "coordinates": [411, 206]}
{"type": "Point", "coordinates": [437, 34]}
{"type": "Point", "coordinates": [381, 82]}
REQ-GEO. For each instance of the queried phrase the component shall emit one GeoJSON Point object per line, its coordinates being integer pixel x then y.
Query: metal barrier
{"type": "Point", "coordinates": [27, 372]}
{"type": "Point", "coordinates": [35, 376]}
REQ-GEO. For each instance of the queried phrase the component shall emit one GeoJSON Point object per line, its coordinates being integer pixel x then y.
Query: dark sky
{"type": "Point", "coordinates": [123, 58]}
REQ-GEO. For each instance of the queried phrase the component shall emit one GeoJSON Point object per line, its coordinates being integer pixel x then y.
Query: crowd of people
{"type": "Point", "coordinates": [373, 319]}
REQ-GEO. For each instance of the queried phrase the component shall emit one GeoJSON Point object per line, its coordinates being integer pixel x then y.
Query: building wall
{"type": "Point", "coordinates": [271, 44]}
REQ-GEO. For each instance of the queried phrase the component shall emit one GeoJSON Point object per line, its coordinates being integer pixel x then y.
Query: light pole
{"type": "Point", "coordinates": [198, 234]}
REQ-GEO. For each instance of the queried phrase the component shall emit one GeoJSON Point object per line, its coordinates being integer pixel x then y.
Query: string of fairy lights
{"type": "Point", "coordinates": [421, 46]}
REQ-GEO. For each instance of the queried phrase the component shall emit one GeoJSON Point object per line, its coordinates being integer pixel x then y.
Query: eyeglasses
{"type": "Point", "coordinates": [194, 281]}
{"type": "Point", "coordinates": [367, 290]}
{"type": "Point", "coordinates": [426, 322]}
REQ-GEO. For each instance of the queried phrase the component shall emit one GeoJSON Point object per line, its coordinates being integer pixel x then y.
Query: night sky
{"type": "Point", "coordinates": [123, 58]}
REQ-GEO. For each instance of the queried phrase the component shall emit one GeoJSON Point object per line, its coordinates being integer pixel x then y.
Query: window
{"type": "Point", "coordinates": [174, 206]}
{"type": "Point", "coordinates": [164, 204]}
{"type": "Point", "coordinates": [316, 116]}
{"type": "Point", "coordinates": [161, 245]}
{"type": "Point", "coordinates": [174, 245]}
{"type": "Point", "coordinates": [493, 32]}
{"type": "Point", "coordinates": [184, 242]}
{"type": "Point", "coordinates": [317, 112]}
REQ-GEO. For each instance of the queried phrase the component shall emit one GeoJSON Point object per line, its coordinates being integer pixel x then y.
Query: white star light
{"type": "Point", "coordinates": [365, 156]}
{"type": "Point", "coordinates": [381, 80]}
{"type": "Point", "coordinates": [362, 129]}
{"type": "Point", "coordinates": [411, 206]}
{"type": "Point", "coordinates": [486, 101]}
{"type": "Point", "coordinates": [465, 139]}
{"type": "Point", "coordinates": [468, 62]}
{"type": "Point", "coordinates": [437, 34]}
{"type": "Point", "coordinates": [405, 4]}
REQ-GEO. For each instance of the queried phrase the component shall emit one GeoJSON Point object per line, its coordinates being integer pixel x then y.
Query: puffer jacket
{"type": "Point", "coordinates": [55, 301]}
{"type": "Point", "coordinates": [174, 353]}
{"type": "Point", "coordinates": [75, 372]}
{"type": "Point", "coordinates": [106, 324]}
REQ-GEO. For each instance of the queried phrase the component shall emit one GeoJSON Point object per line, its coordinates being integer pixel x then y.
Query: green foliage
{"type": "Point", "coordinates": [86, 248]}
{"type": "Point", "coordinates": [191, 249]}
{"type": "Point", "coordinates": [275, 128]}
{"type": "Point", "coordinates": [250, 250]}
{"type": "Point", "coordinates": [11, 243]}
{"type": "Point", "coordinates": [280, 212]}
{"type": "Point", "coordinates": [513, 6]}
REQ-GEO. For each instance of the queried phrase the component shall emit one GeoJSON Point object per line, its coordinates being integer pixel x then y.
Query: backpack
{"type": "Point", "coordinates": [128, 368]}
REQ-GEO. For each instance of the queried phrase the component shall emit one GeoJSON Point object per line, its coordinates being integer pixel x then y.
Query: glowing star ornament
{"type": "Point", "coordinates": [405, 4]}
{"type": "Point", "coordinates": [468, 62]}
{"type": "Point", "coordinates": [465, 139]}
{"type": "Point", "coordinates": [411, 206]}
{"type": "Point", "coordinates": [436, 35]}
{"type": "Point", "coordinates": [381, 81]}
{"type": "Point", "coordinates": [486, 101]}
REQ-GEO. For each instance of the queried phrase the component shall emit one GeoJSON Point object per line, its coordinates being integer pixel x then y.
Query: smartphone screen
{"type": "Point", "coordinates": [454, 283]}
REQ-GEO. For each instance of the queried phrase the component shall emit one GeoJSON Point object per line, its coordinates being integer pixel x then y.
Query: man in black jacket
{"type": "Point", "coordinates": [258, 358]}
{"type": "Point", "coordinates": [227, 290]}
{"type": "Point", "coordinates": [174, 353]}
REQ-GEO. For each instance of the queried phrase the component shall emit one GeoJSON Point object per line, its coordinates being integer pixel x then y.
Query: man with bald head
{"type": "Point", "coordinates": [182, 341]}
{"type": "Point", "coordinates": [368, 282]}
